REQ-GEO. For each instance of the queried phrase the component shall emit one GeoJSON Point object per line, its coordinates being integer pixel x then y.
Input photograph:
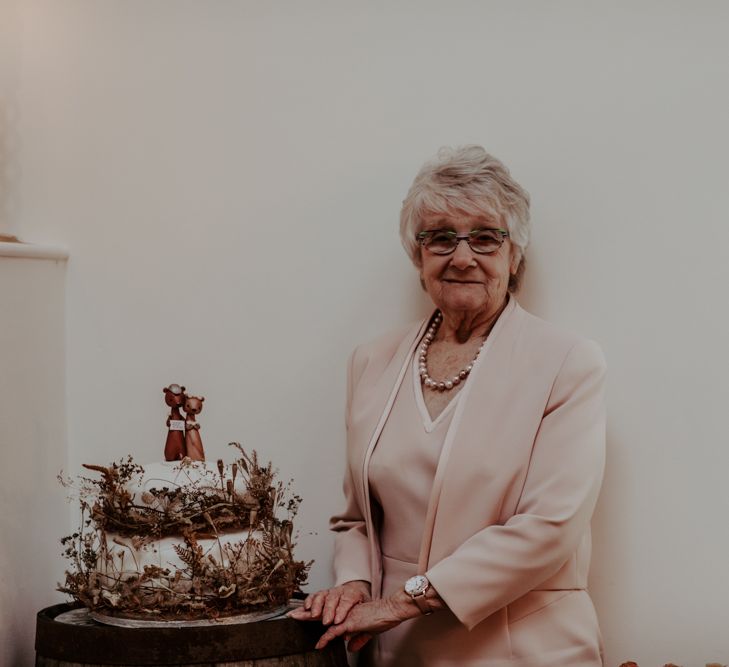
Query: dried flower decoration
{"type": "Point", "coordinates": [258, 571]}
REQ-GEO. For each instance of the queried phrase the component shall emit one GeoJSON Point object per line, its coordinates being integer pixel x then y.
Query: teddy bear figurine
{"type": "Point", "coordinates": [175, 445]}
{"type": "Point", "coordinates": [193, 441]}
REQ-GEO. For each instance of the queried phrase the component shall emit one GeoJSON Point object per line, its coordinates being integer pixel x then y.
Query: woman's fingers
{"type": "Point", "coordinates": [358, 642]}
{"type": "Point", "coordinates": [352, 593]}
{"type": "Point", "coordinates": [330, 606]}
{"type": "Point", "coordinates": [345, 605]}
{"type": "Point", "coordinates": [307, 602]}
{"type": "Point", "coordinates": [322, 604]}
{"type": "Point", "coordinates": [318, 602]}
{"type": "Point", "coordinates": [335, 610]}
{"type": "Point", "coordinates": [333, 631]}
{"type": "Point", "coordinates": [368, 618]}
{"type": "Point", "coordinates": [338, 605]}
{"type": "Point", "coordinates": [351, 627]}
{"type": "Point", "coordinates": [300, 614]}
{"type": "Point", "coordinates": [333, 604]}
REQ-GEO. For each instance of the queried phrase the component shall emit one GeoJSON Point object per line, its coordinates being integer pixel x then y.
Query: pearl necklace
{"type": "Point", "coordinates": [425, 379]}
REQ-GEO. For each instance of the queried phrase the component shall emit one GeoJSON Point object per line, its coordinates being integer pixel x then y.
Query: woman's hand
{"type": "Point", "coordinates": [333, 604]}
{"type": "Point", "coordinates": [368, 619]}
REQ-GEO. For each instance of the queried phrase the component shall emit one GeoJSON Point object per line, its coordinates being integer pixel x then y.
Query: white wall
{"type": "Point", "coordinates": [10, 49]}
{"type": "Point", "coordinates": [228, 177]}
{"type": "Point", "coordinates": [33, 445]}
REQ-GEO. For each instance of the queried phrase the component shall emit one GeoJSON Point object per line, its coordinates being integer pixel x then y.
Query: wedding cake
{"type": "Point", "coordinates": [181, 540]}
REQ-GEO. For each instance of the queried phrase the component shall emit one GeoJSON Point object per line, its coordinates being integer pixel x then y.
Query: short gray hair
{"type": "Point", "coordinates": [466, 179]}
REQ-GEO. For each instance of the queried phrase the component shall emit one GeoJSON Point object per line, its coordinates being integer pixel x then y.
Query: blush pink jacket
{"type": "Point", "coordinates": [507, 529]}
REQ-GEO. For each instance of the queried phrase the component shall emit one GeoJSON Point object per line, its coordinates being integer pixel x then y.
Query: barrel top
{"type": "Point", "coordinates": [92, 642]}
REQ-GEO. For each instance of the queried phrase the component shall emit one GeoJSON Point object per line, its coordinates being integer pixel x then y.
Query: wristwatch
{"type": "Point", "coordinates": [416, 587]}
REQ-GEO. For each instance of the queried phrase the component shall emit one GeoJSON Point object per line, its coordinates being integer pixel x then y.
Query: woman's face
{"type": "Point", "coordinates": [465, 282]}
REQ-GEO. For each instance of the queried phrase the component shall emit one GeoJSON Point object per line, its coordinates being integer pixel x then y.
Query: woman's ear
{"type": "Point", "coordinates": [515, 261]}
{"type": "Point", "coordinates": [516, 276]}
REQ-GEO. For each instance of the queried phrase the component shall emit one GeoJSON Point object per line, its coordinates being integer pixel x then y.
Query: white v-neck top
{"type": "Point", "coordinates": [402, 468]}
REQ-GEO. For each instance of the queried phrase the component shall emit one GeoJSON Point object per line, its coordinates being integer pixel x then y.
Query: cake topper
{"type": "Point", "coordinates": [175, 445]}
{"type": "Point", "coordinates": [193, 441]}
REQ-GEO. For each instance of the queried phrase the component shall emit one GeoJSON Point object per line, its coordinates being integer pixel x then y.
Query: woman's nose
{"type": "Point", "coordinates": [462, 256]}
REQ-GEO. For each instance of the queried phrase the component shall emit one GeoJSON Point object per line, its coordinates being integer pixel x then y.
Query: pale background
{"type": "Point", "coordinates": [227, 177]}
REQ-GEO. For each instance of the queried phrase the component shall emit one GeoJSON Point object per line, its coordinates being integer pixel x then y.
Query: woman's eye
{"type": "Point", "coordinates": [486, 240]}
{"type": "Point", "coordinates": [485, 236]}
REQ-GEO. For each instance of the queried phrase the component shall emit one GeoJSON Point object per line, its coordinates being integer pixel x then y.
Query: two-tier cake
{"type": "Point", "coordinates": [183, 540]}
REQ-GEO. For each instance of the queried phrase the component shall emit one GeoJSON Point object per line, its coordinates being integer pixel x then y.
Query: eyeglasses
{"type": "Point", "coordinates": [444, 241]}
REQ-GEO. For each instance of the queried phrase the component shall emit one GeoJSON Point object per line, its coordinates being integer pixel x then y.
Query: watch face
{"type": "Point", "coordinates": [416, 585]}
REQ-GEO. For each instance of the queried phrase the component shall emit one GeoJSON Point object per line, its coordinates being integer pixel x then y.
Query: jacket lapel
{"type": "Point", "coordinates": [478, 406]}
{"type": "Point", "coordinates": [373, 421]}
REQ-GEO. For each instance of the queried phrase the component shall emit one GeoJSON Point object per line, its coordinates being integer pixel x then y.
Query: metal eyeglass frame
{"type": "Point", "coordinates": [424, 235]}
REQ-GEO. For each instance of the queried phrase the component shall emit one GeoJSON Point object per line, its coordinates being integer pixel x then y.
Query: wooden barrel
{"type": "Point", "coordinates": [283, 642]}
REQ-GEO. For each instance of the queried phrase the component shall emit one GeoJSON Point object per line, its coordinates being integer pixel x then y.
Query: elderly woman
{"type": "Point", "coordinates": [475, 453]}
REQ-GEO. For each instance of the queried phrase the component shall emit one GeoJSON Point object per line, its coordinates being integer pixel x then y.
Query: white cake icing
{"type": "Point", "coordinates": [162, 552]}
{"type": "Point", "coordinates": [126, 557]}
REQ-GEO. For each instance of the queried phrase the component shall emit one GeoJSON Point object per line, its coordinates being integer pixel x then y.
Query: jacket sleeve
{"type": "Point", "coordinates": [351, 545]}
{"type": "Point", "coordinates": [501, 563]}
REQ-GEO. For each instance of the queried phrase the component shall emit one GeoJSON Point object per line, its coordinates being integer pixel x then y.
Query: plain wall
{"type": "Point", "coordinates": [228, 178]}
{"type": "Point", "coordinates": [10, 50]}
{"type": "Point", "coordinates": [34, 447]}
